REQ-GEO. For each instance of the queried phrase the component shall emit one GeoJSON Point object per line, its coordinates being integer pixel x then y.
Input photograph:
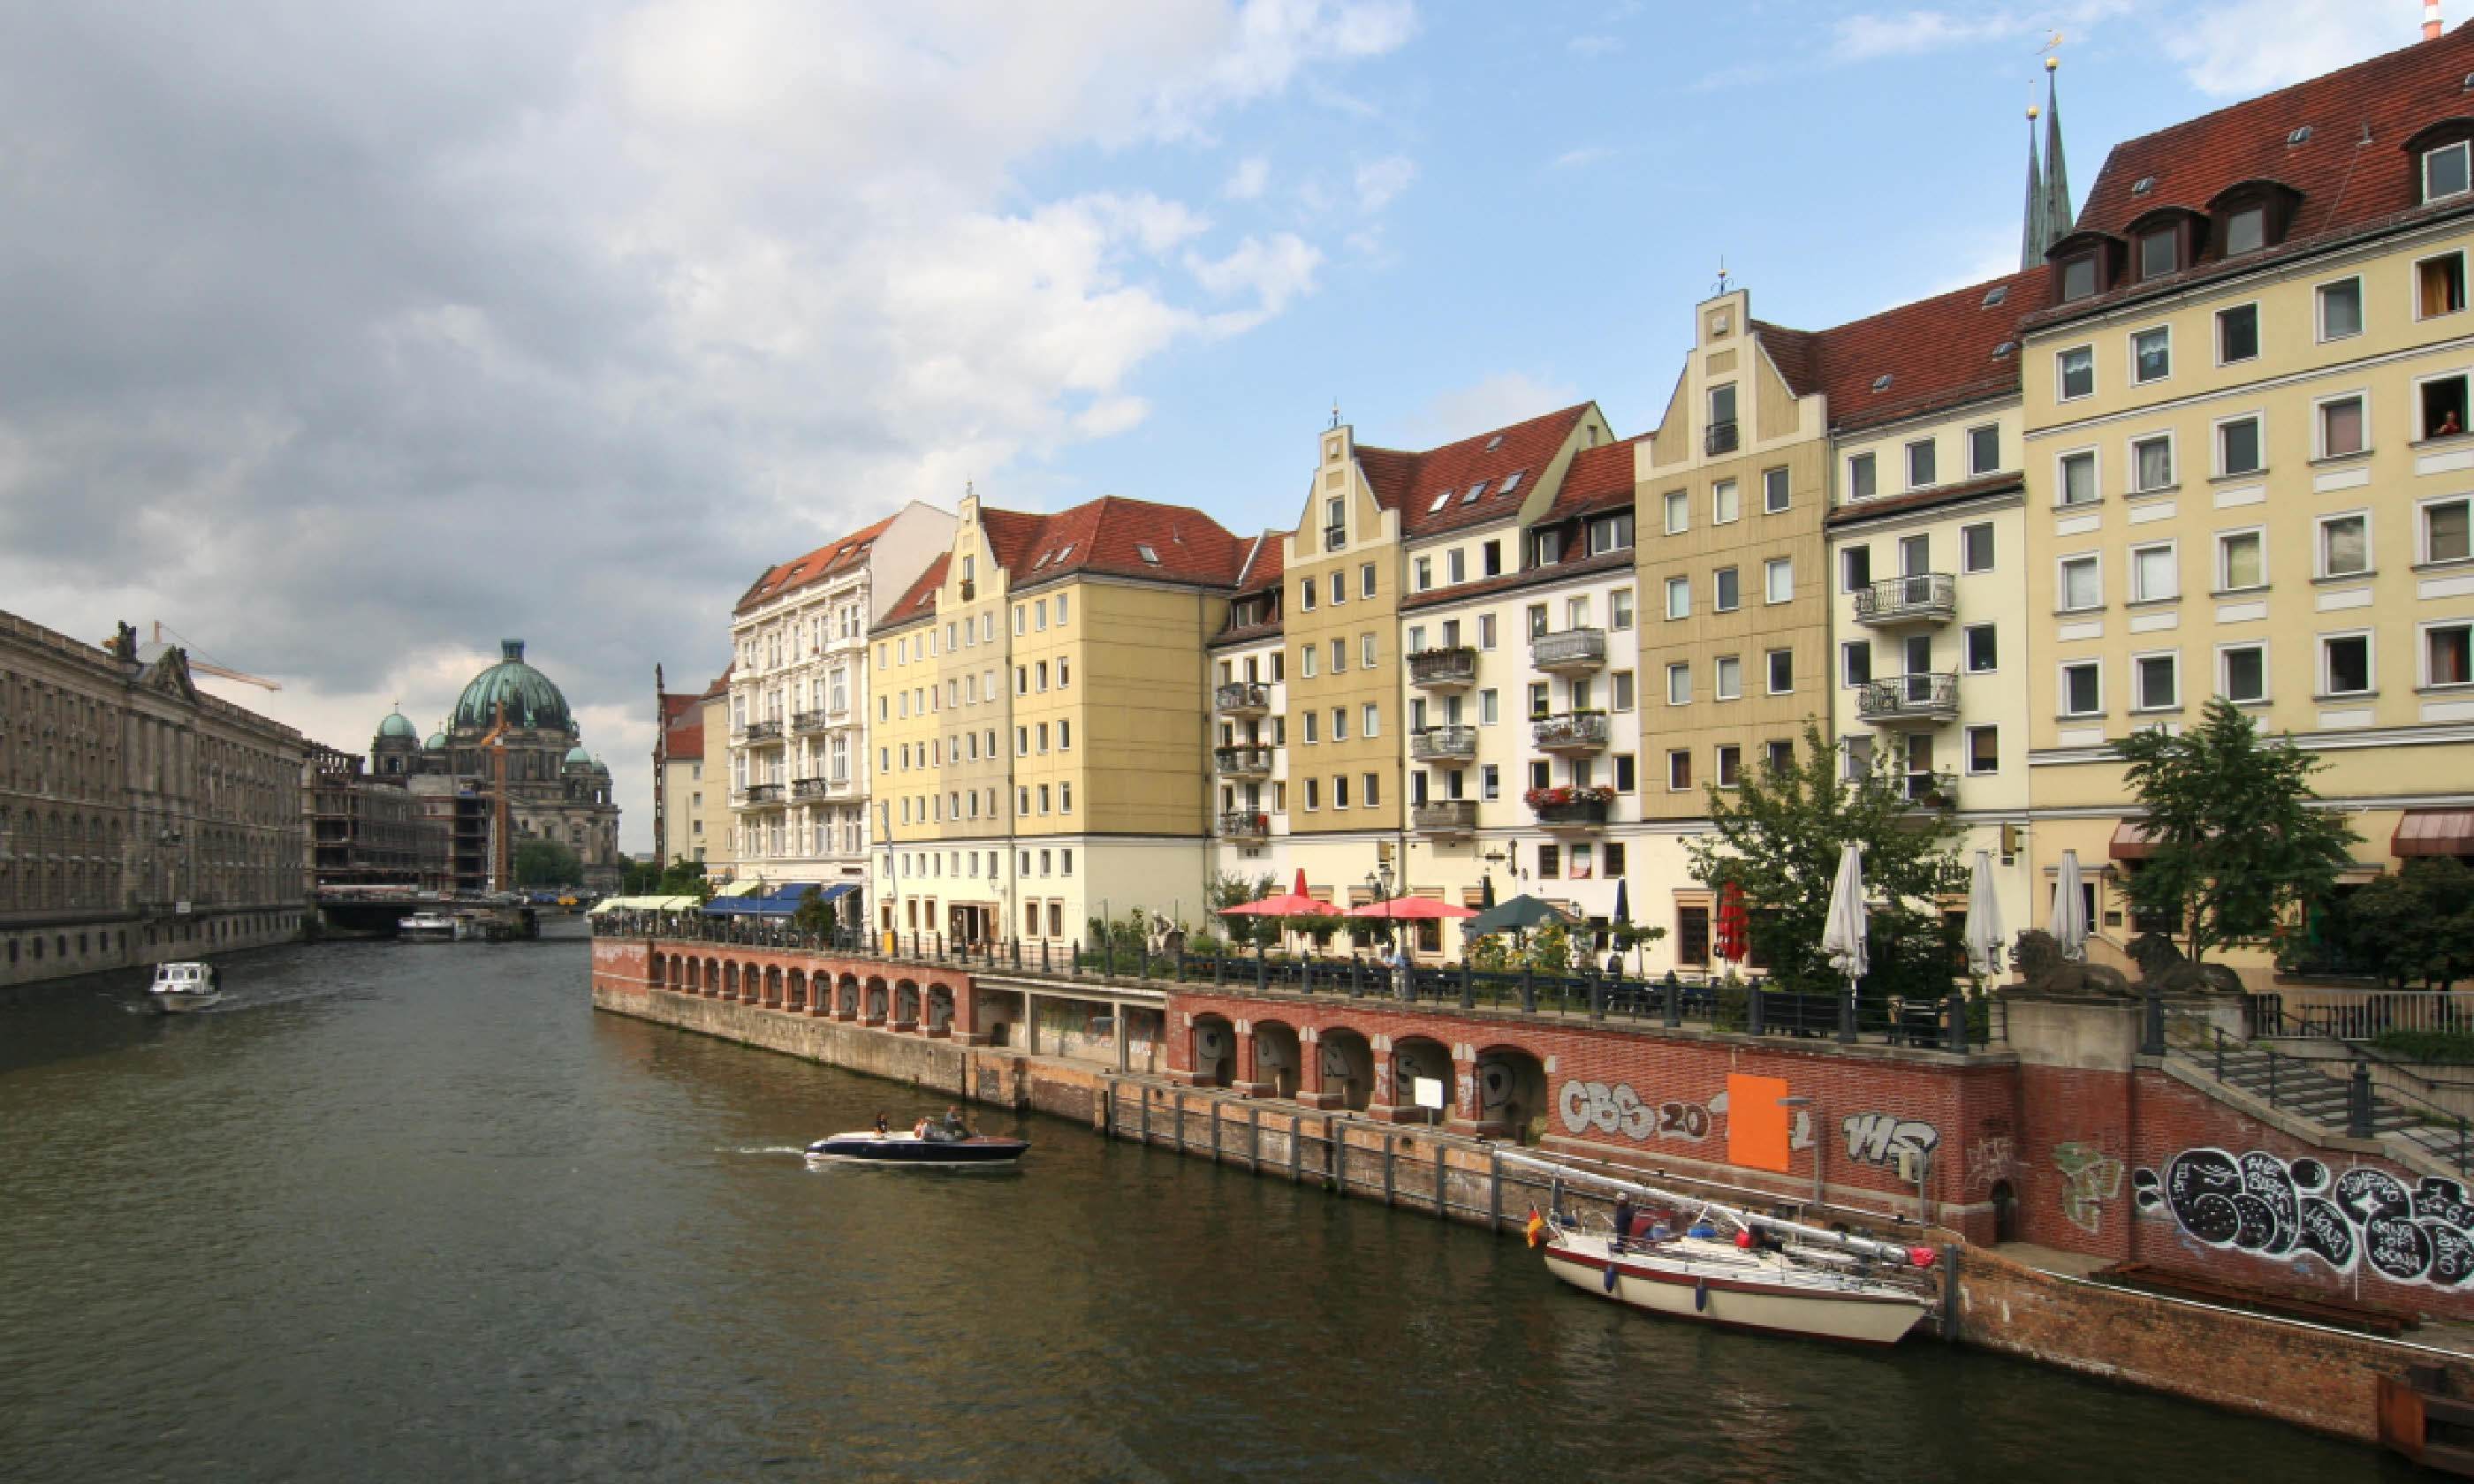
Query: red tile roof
{"type": "Point", "coordinates": [1112, 533]}
{"type": "Point", "coordinates": [1410, 483]}
{"type": "Point", "coordinates": [920, 600]}
{"type": "Point", "coordinates": [1600, 478]}
{"type": "Point", "coordinates": [832, 557]}
{"type": "Point", "coordinates": [684, 742]}
{"type": "Point", "coordinates": [1936, 352]}
{"type": "Point", "coordinates": [1266, 557]}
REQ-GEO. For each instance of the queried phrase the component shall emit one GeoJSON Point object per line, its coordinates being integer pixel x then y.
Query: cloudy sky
{"type": "Point", "coordinates": [347, 340]}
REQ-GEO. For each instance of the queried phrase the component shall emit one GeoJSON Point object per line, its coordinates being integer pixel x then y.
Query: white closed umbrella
{"type": "Point", "coordinates": [1985, 934]}
{"type": "Point", "coordinates": [2069, 921]}
{"type": "Point", "coordinates": [1843, 937]}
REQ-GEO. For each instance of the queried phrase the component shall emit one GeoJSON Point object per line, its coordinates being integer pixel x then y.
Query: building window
{"type": "Point", "coordinates": [1728, 682]}
{"type": "Point", "coordinates": [1780, 756]}
{"type": "Point", "coordinates": [2074, 370]}
{"type": "Point", "coordinates": [2346, 545]}
{"type": "Point", "coordinates": [1372, 797]}
{"type": "Point", "coordinates": [1340, 791]}
{"type": "Point", "coordinates": [1679, 511]}
{"type": "Point", "coordinates": [2444, 172]}
{"type": "Point", "coordinates": [1679, 597]}
{"type": "Point", "coordinates": [1425, 569]}
{"type": "Point", "coordinates": [1487, 709]}
{"type": "Point", "coordinates": [1306, 662]}
{"type": "Point", "coordinates": [1983, 748]}
{"type": "Point", "coordinates": [2083, 688]}
{"type": "Point", "coordinates": [1620, 684]}
{"type": "Point", "coordinates": [1984, 449]}
{"type": "Point", "coordinates": [2245, 231]}
{"type": "Point", "coordinates": [2079, 478]}
{"type": "Point", "coordinates": [1314, 795]}
{"type": "Point", "coordinates": [2151, 464]}
{"type": "Point", "coordinates": [1781, 671]}
{"type": "Point", "coordinates": [1372, 721]}
{"type": "Point", "coordinates": [2448, 653]}
{"type": "Point", "coordinates": [2078, 278]}
{"type": "Point", "coordinates": [1982, 650]}
{"type": "Point", "coordinates": [2157, 683]}
{"type": "Point", "coordinates": [1725, 592]}
{"type": "Point", "coordinates": [1855, 567]}
{"type": "Point", "coordinates": [2342, 429]}
{"type": "Point", "coordinates": [1679, 684]}
{"type": "Point", "coordinates": [2153, 573]}
{"type": "Point", "coordinates": [1489, 781]}
{"type": "Point", "coordinates": [1920, 463]}
{"type": "Point", "coordinates": [2345, 664]}
{"type": "Point", "coordinates": [1730, 766]}
{"type": "Point", "coordinates": [1855, 661]}
{"type": "Point", "coordinates": [1626, 781]}
{"type": "Point", "coordinates": [1339, 723]}
{"type": "Point", "coordinates": [1975, 548]}
{"type": "Point", "coordinates": [1778, 579]}
{"type": "Point", "coordinates": [2237, 334]}
{"type": "Point", "coordinates": [2446, 530]}
{"type": "Point", "coordinates": [1860, 477]}
{"type": "Point", "coordinates": [1550, 862]}
{"type": "Point", "coordinates": [2151, 355]}
{"type": "Point", "coordinates": [1620, 609]}
{"type": "Point", "coordinates": [1854, 758]}
{"type": "Point", "coordinates": [1540, 704]}
{"type": "Point", "coordinates": [2082, 584]}
{"type": "Point", "coordinates": [2158, 253]}
{"type": "Point", "coordinates": [2341, 309]}
{"type": "Point", "coordinates": [2439, 284]}
{"type": "Point", "coordinates": [1724, 506]}
{"type": "Point", "coordinates": [2238, 446]}
{"type": "Point", "coordinates": [1678, 769]}
{"type": "Point", "coordinates": [1774, 490]}
{"type": "Point", "coordinates": [1306, 599]}
{"type": "Point", "coordinates": [2242, 673]}
{"type": "Point", "coordinates": [2241, 560]}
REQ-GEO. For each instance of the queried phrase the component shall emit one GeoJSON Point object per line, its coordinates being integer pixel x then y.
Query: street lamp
{"type": "Point", "coordinates": [1820, 1143]}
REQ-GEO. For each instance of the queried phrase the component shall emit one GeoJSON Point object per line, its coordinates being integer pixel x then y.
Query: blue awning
{"type": "Point", "coordinates": [782, 902]}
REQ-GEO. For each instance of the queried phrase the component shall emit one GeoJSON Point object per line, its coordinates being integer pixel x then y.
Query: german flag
{"type": "Point", "coordinates": [1536, 1227]}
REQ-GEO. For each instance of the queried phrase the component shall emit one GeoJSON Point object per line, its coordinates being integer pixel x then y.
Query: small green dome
{"type": "Point", "coordinates": [577, 754]}
{"type": "Point", "coordinates": [396, 725]}
{"type": "Point", "coordinates": [532, 701]}
{"type": "Point", "coordinates": [435, 743]}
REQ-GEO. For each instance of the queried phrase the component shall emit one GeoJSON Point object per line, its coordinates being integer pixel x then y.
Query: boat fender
{"type": "Point", "coordinates": [1611, 1276]}
{"type": "Point", "coordinates": [1701, 1296]}
{"type": "Point", "coordinates": [1703, 1229]}
{"type": "Point", "coordinates": [1922, 1256]}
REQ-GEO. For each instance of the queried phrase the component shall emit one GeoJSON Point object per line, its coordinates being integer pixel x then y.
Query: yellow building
{"type": "Point", "coordinates": [2246, 469]}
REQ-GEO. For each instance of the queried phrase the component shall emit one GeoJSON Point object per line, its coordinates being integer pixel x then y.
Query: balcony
{"type": "Point", "coordinates": [1244, 824]}
{"type": "Point", "coordinates": [757, 796]}
{"type": "Point", "coordinates": [1335, 537]}
{"type": "Point", "coordinates": [1924, 698]}
{"type": "Point", "coordinates": [1720, 439]}
{"type": "Point", "coordinates": [1573, 731]}
{"type": "Point", "coordinates": [1445, 816]}
{"type": "Point", "coordinates": [1926, 598]}
{"type": "Point", "coordinates": [1243, 698]}
{"type": "Point", "coordinates": [1444, 669]}
{"type": "Point", "coordinates": [808, 788]}
{"type": "Point", "coordinates": [1245, 761]}
{"type": "Point", "coordinates": [1572, 652]}
{"type": "Point", "coordinates": [1443, 744]}
{"type": "Point", "coordinates": [1579, 807]}
{"type": "Point", "coordinates": [1930, 790]}
{"type": "Point", "coordinates": [760, 733]}
{"type": "Point", "coordinates": [807, 721]}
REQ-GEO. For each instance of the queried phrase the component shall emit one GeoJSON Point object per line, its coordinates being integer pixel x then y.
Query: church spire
{"type": "Point", "coordinates": [2059, 216]}
{"type": "Point", "coordinates": [2035, 229]}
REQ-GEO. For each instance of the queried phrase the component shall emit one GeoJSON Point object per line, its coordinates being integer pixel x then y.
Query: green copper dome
{"type": "Point", "coordinates": [577, 754]}
{"type": "Point", "coordinates": [531, 700]}
{"type": "Point", "coordinates": [435, 743]}
{"type": "Point", "coordinates": [396, 725]}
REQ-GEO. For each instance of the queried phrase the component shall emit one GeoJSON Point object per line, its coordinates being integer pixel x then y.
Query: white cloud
{"type": "Point", "coordinates": [2239, 47]}
{"type": "Point", "coordinates": [1380, 182]}
{"type": "Point", "coordinates": [1574, 159]}
{"type": "Point", "coordinates": [1273, 271]}
{"type": "Point", "coordinates": [1864, 38]}
{"type": "Point", "coordinates": [1500, 400]}
{"type": "Point", "coordinates": [1247, 180]}
{"type": "Point", "coordinates": [1593, 46]}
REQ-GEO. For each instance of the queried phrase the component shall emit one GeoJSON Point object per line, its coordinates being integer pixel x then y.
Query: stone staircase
{"type": "Point", "coordinates": [2303, 1088]}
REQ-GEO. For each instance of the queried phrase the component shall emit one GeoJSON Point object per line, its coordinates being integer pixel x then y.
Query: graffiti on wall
{"type": "Point", "coordinates": [1876, 1138]}
{"type": "Point", "coordinates": [2258, 1203]}
{"type": "Point", "coordinates": [2090, 1178]}
{"type": "Point", "coordinates": [1619, 1110]}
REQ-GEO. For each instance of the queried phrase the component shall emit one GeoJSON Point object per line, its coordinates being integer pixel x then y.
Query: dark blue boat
{"type": "Point", "coordinates": [935, 1151]}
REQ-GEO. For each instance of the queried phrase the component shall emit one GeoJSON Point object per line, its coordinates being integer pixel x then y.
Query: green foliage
{"type": "Point", "coordinates": [547, 863]}
{"type": "Point", "coordinates": [816, 915]}
{"type": "Point", "coordinates": [1227, 889]}
{"type": "Point", "coordinates": [2236, 844]}
{"type": "Point", "coordinates": [684, 877]}
{"type": "Point", "coordinates": [1778, 836]}
{"type": "Point", "coordinates": [639, 877]}
{"type": "Point", "coordinates": [1551, 949]}
{"type": "Point", "coordinates": [2413, 927]}
{"type": "Point", "coordinates": [1491, 953]}
{"type": "Point", "coordinates": [2454, 1047]}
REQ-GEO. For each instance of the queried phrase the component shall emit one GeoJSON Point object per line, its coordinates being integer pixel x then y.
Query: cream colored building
{"type": "Point", "coordinates": [2246, 470]}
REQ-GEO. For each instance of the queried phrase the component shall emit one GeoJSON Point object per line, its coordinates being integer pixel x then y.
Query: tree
{"type": "Point", "coordinates": [814, 914]}
{"type": "Point", "coordinates": [542, 862]}
{"type": "Point", "coordinates": [2236, 846]}
{"type": "Point", "coordinates": [684, 877]}
{"type": "Point", "coordinates": [2415, 926]}
{"type": "Point", "coordinates": [1227, 889]}
{"type": "Point", "coordinates": [1778, 836]}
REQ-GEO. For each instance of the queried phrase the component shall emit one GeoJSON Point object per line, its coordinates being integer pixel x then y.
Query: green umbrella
{"type": "Point", "coordinates": [1518, 915]}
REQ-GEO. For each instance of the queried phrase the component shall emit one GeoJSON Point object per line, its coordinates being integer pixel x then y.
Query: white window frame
{"type": "Point", "coordinates": [2061, 376]}
{"type": "Point", "coordinates": [1679, 586]}
{"type": "Point", "coordinates": [1771, 566]}
{"type": "Point", "coordinates": [1908, 462]}
{"type": "Point", "coordinates": [2422, 169]}
{"type": "Point", "coordinates": [1967, 750]}
{"type": "Point", "coordinates": [2062, 585]}
{"type": "Point", "coordinates": [2062, 687]}
{"type": "Point", "coordinates": [2267, 671]}
{"type": "Point", "coordinates": [1719, 690]}
{"type": "Point", "coordinates": [1785, 484]}
{"type": "Point", "coordinates": [2464, 268]}
{"type": "Point", "coordinates": [1675, 503]}
{"type": "Point", "coordinates": [1717, 592]}
{"type": "Point", "coordinates": [2215, 324]}
{"type": "Point", "coordinates": [2320, 423]}
{"type": "Point", "coordinates": [2216, 539]}
{"type": "Point", "coordinates": [2062, 480]}
{"type": "Point", "coordinates": [2138, 707]}
{"type": "Point", "coordinates": [2172, 549]}
{"type": "Point", "coordinates": [2130, 347]}
{"type": "Point", "coordinates": [1992, 532]}
{"type": "Point", "coordinates": [2422, 529]}
{"type": "Point", "coordinates": [2216, 444]}
{"type": "Point", "coordinates": [2422, 651]}
{"type": "Point", "coordinates": [1718, 516]}
{"type": "Point", "coordinates": [2370, 663]}
{"type": "Point", "coordinates": [1769, 671]}
{"type": "Point", "coordinates": [1684, 669]}
{"type": "Point", "coordinates": [2130, 461]}
{"type": "Point", "coordinates": [2319, 310]}
{"type": "Point", "coordinates": [1964, 667]}
{"type": "Point", "coordinates": [2414, 404]}
{"type": "Point", "coordinates": [2320, 545]}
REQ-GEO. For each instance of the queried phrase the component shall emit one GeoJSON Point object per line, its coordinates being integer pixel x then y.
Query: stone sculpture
{"type": "Point", "coordinates": [2161, 963]}
{"type": "Point", "coordinates": [2040, 961]}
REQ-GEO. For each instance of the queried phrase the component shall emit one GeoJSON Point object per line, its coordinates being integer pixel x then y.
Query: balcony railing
{"type": "Point", "coordinates": [1719, 438]}
{"type": "Point", "coordinates": [808, 788]}
{"type": "Point", "coordinates": [1334, 538]}
{"type": "Point", "coordinates": [1574, 651]}
{"type": "Point", "coordinates": [1445, 816]}
{"type": "Point", "coordinates": [1443, 744]}
{"type": "Point", "coordinates": [1574, 814]}
{"type": "Point", "coordinates": [759, 795]}
{"type": "Point", "coordinates": [807, 721]}
{"type": "Point", "coordinates": [1573, 731]}
{"type": "Point", "coordinates": [1243, 698]}
{"type": "Point", "coordinates": [1924, 697]}
{"type": "Point", "coordinates": [1927, 598]}
{"type": "Point", "coordinates": [1245, 761]}
{"type": "Point", "coordinates": [1932, 790]}
{"type": "Point", "coordinates": [762, 732]}
{"type": "Point", "coordinates": [1244, 824]}
{"type": "Point", "coordinates": [1455, 666]}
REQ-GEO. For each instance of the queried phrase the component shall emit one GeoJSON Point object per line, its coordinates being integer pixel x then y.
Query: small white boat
{"type": "Point", "coordinates": [938, 1149]}
{"type": "Point", "coordinates": [186, 986]}
{"type": "Point", "coordinates": [427, 927]}
{"type": "Point", "coordinates": [1828, 1296]}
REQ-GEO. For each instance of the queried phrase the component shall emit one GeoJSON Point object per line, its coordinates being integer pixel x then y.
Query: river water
{"type": "Point", "coordinates": [416, 1212]}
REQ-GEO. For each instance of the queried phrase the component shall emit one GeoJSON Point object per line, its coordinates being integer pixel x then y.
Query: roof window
{"type": "Point", "coordinates": [1067, 552]}
{"type": "Point", "coordinates": [1495, 442]}
{"type": "Point", "coordinates": [1441, 500]}
{"type": "Point", "coordinates": [2002, 350]}
{"type": "Point", "coordinates": [1147, 554]}
{"type": "Point", "coordinates": [2301, 135]}
{"type": "Point", "coordinates": [2144, 186]}
{"type": "Point", "coordinates": [1475, 491]}
{"type": "Point", "coordinates": [1882, 382]}
{"type": "Point", "coordinates": [2001, 292]}
{"type": "Point", "coordinates": [1510, 482]}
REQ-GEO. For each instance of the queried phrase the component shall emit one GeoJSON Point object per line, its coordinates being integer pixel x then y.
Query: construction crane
{"type": "Point", "coordinates": [208, 667]}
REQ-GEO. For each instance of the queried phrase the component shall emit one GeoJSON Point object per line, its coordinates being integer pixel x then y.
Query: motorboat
{"type": "Point", "coordinates": [186, 986]}
{"type": "Point", "coordinates": [937, 1149]}
{"type": "Point", "coordinates": [428, 927]}
{"type": "Point", "coordinates": [1694, 1259]}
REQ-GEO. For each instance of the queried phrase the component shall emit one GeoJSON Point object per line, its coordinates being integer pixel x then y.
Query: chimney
{"type": "Point", "coordinates": [2430, 21]}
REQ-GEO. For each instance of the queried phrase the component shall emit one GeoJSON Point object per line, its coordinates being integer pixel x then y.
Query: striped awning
{"type": "Point", "coordinates": [2434, 832]}
{"type": "Point", "coordinates": [2130, 842]}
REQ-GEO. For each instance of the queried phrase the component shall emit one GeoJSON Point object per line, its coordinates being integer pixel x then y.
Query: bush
{"type": "Point", "coordinates": [2454, 1047]}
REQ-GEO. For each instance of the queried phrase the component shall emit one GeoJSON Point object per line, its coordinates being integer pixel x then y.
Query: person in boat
{"type": "Point", "coordinates": [955, 1130]}
{"type": "Point", "coordinates": [919, 1130]}
{"type": "Point", "coordinates": [883, 1127]}
{"type": "Point", "coordinates": [1623, 1223]}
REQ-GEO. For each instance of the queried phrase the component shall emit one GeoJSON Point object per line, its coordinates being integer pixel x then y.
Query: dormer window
{"type": "Point", "coordinates": [2245, 231]}
{"type": "Point", "coordinates": [2159, 253]}
{"type": "Point", "coordinates": [2078, 278]}
{"type": "Point", "coordinates": [2446, 172]}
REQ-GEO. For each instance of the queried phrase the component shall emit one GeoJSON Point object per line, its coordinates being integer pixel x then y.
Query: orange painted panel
{"type": "Point", "coordinates": [1757, 1126]}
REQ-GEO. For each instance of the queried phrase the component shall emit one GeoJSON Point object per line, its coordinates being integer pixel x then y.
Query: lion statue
{"type": "Point", "coordinates": [2039, 957]}
{"type": "Point", "coordinates": [2161, 963]}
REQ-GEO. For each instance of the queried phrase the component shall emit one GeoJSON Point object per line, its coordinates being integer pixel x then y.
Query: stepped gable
{"type": "Point", "coordinates": [1111, 535]}
{"type": "Point", "coordinates": [1937, 353]}
{"type": "Point", "coordinates": [1411, 482]}
{"type": "Point", "coordinates": [832, 557]}
{"type": "Point", "coordinates": [1597, 479]}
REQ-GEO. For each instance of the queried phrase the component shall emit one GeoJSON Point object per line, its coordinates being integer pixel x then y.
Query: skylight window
{"type": "Point", "coordinates": [1510, 482]}
{"type": "Point", "coordinates": [2144, 184]}
{"type": "Point", "coordinates": [1475, 491]}
{"type": "Point", "coordinates": [2001, 292]}
{"type": "Point", "coordinates": [2301, 135]}
{"type": "Point", "coordinates": [1882, 382]}
{"type": "Point", "coordinates": [1441, 500]}
{"type": "Point", "coordinates": [1495, 442]}
{"type": "Point", "coordinates": [1147, 554]}
{"type": "Point", "coordinates": [1067, 552]}
{"type": "Point", "coordinates": [2002, 350]}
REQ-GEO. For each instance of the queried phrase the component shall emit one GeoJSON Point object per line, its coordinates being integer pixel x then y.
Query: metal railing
{"type": "Point", "coordinates": [1456, 665]}
{"type": "Point", "coordinates": [1572, 732]}
{"type": "Point", "coordinates": [763, 793]}
{"type": "Point", "coordinates": [1244, 824]}
{"type": "Point", "coordinates": [1574, 812]}
{"type": "Point", "coordinates": [1245, 759]}
{"type": "Point", "coordinates": [807, 788]}
{"type": "Point", "coordinates": [1924, 696]}
{"type": "Point", "coordinates": [1443, 744]}
{"type": "Point", "coordinates": [1583, 649]}
{"type": "Point", "coordinates": [1935, 790]}
{"type": "Point", "coordinates": [2354, 1014]}
{"type": "Point", "coordinates": [1444, 816]}
{"type": "Point", "coordinates": [1719, 437]}
{"type": "Point", "coordinates": [1243, 698]}
{"type": "Point", "coordinates": [1926, 596]}
{"type": "Point", "coordinates": [762, 732]}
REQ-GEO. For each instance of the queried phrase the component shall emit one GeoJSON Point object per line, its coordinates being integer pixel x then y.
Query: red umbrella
{"type": "Point", "coordinates": [1294, 904]}
{"type": "Point", "coordinates": [1734, 936]}
{"type": "Point", "coordinates": [1409, 907]}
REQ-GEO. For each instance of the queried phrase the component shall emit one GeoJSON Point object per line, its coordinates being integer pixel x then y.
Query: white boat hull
{"type": "Point", "coordinates": [1710, 1282]}
{"type": "Point", "coordinates": [181, 1004]}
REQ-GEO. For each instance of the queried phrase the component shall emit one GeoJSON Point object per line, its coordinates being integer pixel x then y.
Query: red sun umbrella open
{"type": "Point", "coordinates": [1734, 925]}
{"type": "Point", "coordinates": [1293, 903]}
{"type": "Point", "coordinates": [1410, 907]}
